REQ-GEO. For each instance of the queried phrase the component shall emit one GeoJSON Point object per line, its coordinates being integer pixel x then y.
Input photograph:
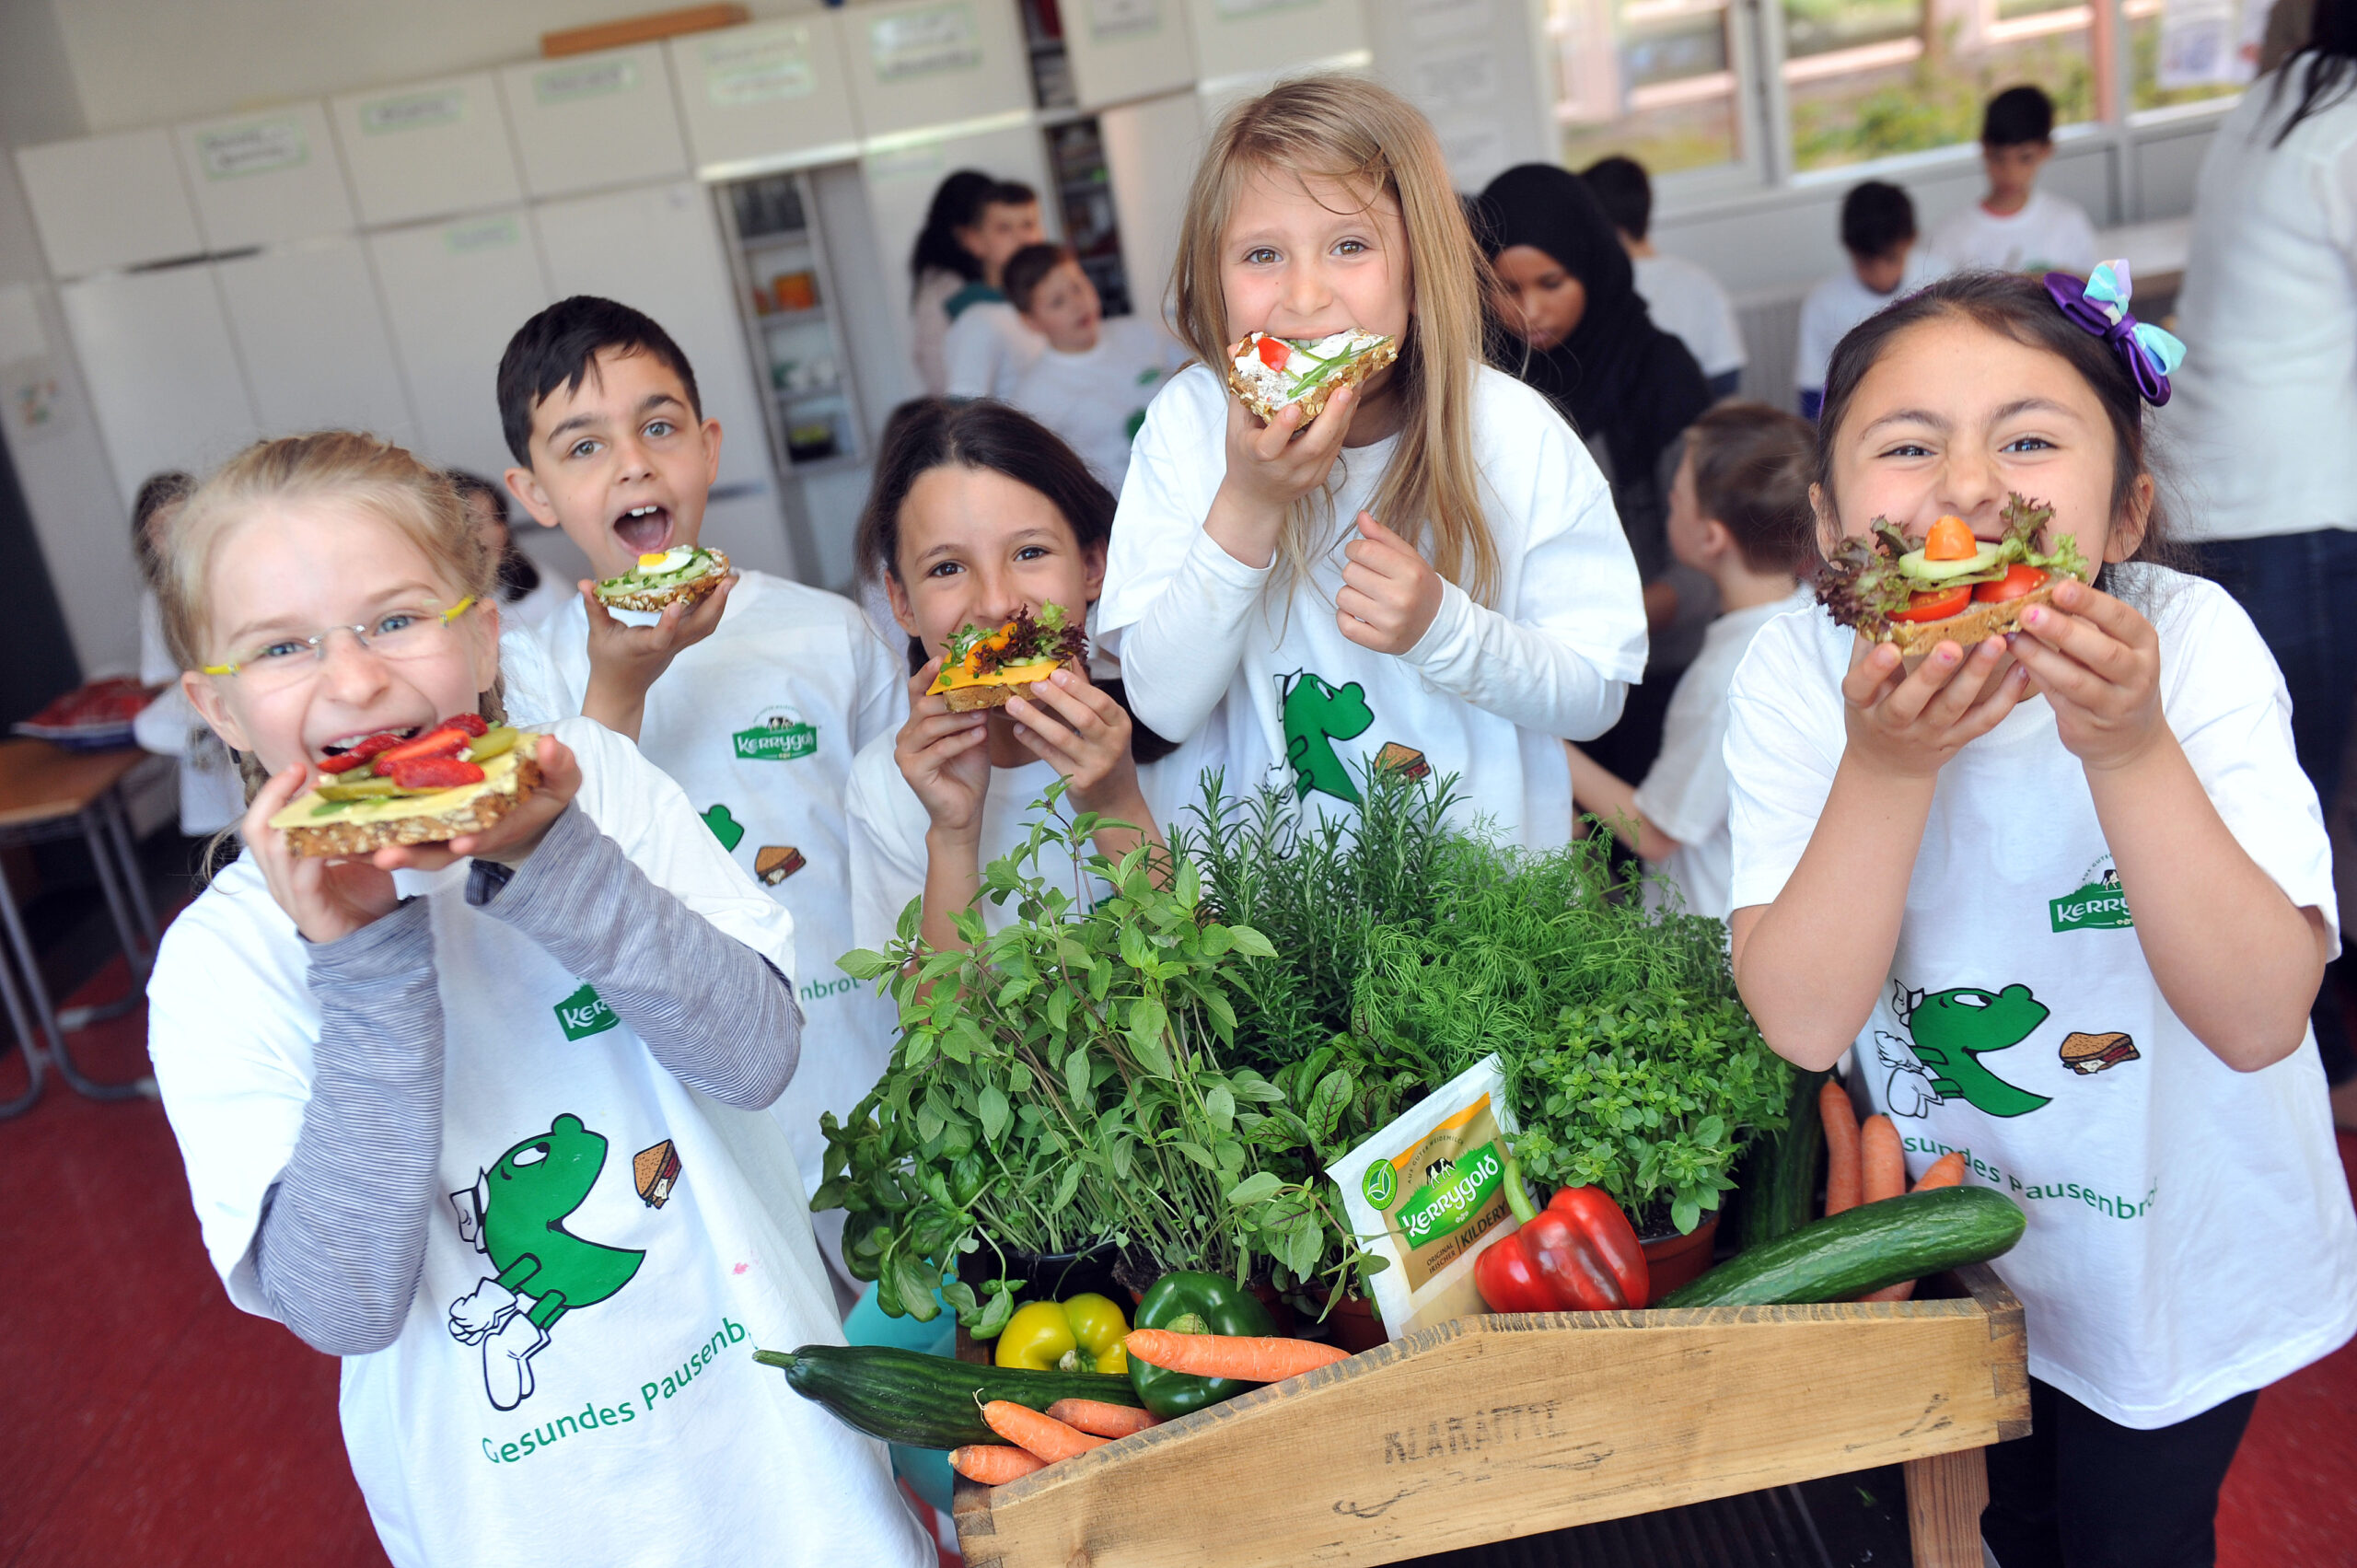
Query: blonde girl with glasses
{"type": "Point", "coordinates": [1429, 575]}
{"type": "Point", "coordinates": [487, 1118]}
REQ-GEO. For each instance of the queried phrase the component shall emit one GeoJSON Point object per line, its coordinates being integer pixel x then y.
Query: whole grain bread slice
{"type": "Point", "coordinates": [474, 814]}
{"type": "Point", "coordinates": [1976, 623]}
{"type": "Point", "coordinates": [691, 591]}
{"type": "Point", "coordinates": [1313, 402]}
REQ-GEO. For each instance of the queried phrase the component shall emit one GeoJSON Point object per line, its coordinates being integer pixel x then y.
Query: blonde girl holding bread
{"type": "Point", "coordinates": [1428, 575]}
{"type": "Point", "coordinates": [485, 1117]}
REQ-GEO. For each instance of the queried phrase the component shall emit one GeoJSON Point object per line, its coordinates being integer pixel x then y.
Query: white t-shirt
{"type": "Point", "coordinates": [2050, 234]}
{"type": "Point", "coordinates": [1484, 696]}
{"type": "Point", "coordinates": [2266, 400]}
{"type": "Point", "coordinates": [1097, 399]}
{"type": "Point", "coordinates": [646, 1433]}
{"type": "Point", "coordinates": [2140, 1178]}
{"type": "Point", "coordinates": [1686, 301]}
{"type": "Point", "coordinates": [888, 824]}
{"type": "Point", "coordinates": [758, 724]}
{"type": "Point", "coordinates": [988, 349]}
{"type": "Point", "coordinates": [1839, 302]}
{"type": "Point", "coordinates": [212, 794]}
{"type": "Point", "coordinates": [1685, 792]}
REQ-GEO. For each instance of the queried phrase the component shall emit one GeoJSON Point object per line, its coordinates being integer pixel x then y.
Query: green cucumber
{"type": "Point", "coordinates": [1781, 1190]}
{"type": "Point", "coordinates": [1987, 559]}
{"type": "Point", "coordinates": [698, 565]}
{"type": "Point", "coordinates": [928, 1402]}
{"type": "Point", "coordinates": [1860, 1250]}
{"type": "Point", "coordinates": [499, 737]}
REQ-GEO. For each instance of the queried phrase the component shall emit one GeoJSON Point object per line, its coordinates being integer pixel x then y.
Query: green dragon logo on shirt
{"type": "Point", "coordinates": [1315, 714]}
{"type": "Point", "coordinates": [1952, 1029]}
{"type": "Point", "coordinates": [516, 1213]}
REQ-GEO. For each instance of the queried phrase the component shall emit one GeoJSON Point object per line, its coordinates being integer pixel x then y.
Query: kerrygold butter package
{"type": "Point", "coordinates": [1428, 1192]}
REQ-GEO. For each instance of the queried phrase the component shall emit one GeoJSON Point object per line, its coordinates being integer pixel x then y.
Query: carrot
{"type": "Point", "coordinates": [1947, 1172]}
{"type": "Point", "coordinates": [994, 1464]}
{"type": "Point", "coordinates": [1104, 1420]}
{"type": "Point", "coordinates": [1882, 1160]}
{"type": "Point", "coordinates": [1841, 1176]}
{"type": "Point", "coordinates": [1045, 1436]}
{"type": "Point", "coordinates": [1244, 1357]}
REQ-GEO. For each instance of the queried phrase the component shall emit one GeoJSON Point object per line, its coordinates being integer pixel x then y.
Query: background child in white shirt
{"type": "Point", "coordinates": [987, 345]}
{"type": "Point", "coordinates": [978, 512]}
{"type": "Point", "coordinates": [2016, 227]}
{"type": "Point", "coordinates": [1094, 380]}
{"type": "Point", "coordinates": [1482, 606]}
{"type": "Point", "coordinates": [1879, 230]}
{"type": "Point", "coordinates": [2072, 888]}
{"type": "Point", "coordinates": [1739, 513]}
{"type": "Point", "coordinates": [1680, 295]}
{"type": "Point", "coordinates": [424, 1097]}
{"type": "Point", "coordinates": [754, 701]}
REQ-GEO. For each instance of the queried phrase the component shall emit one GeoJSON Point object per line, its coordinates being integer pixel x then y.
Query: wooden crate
{"type": "Point", "coordinates": [1486, 1428]}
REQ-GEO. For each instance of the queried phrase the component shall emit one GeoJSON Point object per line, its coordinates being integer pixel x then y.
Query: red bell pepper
{"type": "Point", "coordinates": [1579, 1254]}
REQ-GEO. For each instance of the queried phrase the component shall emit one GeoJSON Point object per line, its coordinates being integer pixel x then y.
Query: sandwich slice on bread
{"type": "Point", "coordinates": [1269, 374]}
{"type": "Point", "coordinates": [985, 669]}
{"type": "Point", "coordinates": [1952, 587]}
{"type": "Point", "coordinates": [684, 571]}
{"type": "Point", "coordinates": [460, 777]}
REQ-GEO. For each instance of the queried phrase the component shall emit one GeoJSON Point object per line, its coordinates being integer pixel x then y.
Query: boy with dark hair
{"type": "Point", "coordinates": [2016, 227]}
{"type": "Point", "coordinates": [1879, 230]}
{"type": "Point", "coordinates": [755, 700]}
{"type": "Point", "coordinates": [1683, 299]}
{"type": "Point", "coordinates": [1091, 383]}
{"type": "Point", "coordinates": [988, 346]}
{"type": "Point", "coordinates": [1739, 513]}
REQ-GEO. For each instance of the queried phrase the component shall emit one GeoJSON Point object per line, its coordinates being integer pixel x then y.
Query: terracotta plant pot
{"type": "Point", "coordinates": [1354, 1325]}
{"type": "Point", "coordinates": [1672, 1259]}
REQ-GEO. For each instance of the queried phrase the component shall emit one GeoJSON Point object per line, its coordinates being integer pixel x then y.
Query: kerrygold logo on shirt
{"type": "Point", "coordinates": [2097, 904]}
{"type": "Point", "coordinates": [778, 736]}
{"type": "Point", "coordinates": [583, 1013]}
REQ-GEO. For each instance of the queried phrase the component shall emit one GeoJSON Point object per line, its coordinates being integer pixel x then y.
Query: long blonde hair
{"type": "Point", "coordinates": [345, 470]}
{"type": "Point", "coordinates": [1372, 141]}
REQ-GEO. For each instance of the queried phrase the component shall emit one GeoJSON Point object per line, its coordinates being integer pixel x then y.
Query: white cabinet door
{"type": "Point", "coordinates": [920, 63]}
{"type": "Point", "coordinates": [260, 179]}
{"type": "Point", "coordinates": [592, 122]}
{"type": "Point", "coordinates": [427, 150]}
{"type": "Point", "coordinates": [769, 95]}
{"type": "Point", "coordinates": [1266, 38]}
{"type": "Point", "coordinates": [671, 267]}
{"type": "Point", "coordinates": [162, 370]}
{"type": "Point", "coordinates": [109, 201]}
{"type": "Point", "coordinates": [313, 341]}
{"type": "Point", "coordinates": [454, 294]}
{"type": "Point", "coordinates": [1121, 49]}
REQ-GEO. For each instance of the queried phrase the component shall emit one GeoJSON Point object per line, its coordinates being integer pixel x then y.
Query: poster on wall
{"type": "Point", "coordinates": [2207, 43]}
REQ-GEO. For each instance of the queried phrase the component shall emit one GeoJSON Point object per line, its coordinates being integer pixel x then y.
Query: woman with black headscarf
{"type": "Point", "coordinates": [1580, 334]}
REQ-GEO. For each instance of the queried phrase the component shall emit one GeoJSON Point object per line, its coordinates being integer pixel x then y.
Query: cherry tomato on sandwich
{"type": "Point", "coordinates": [1273, 353]}
{"type": "Point", "coordinates": [2016, 582]}
{"type": "Point", "coordinates": [1950, 539]}
{"type": "Point", "coordinates": [1937, 604]}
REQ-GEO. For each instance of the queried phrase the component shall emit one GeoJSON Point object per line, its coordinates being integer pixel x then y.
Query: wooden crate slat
{"type": "Point", "coordinates": [1489, 1428]}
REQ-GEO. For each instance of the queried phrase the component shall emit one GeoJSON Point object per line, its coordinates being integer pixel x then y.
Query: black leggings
{"type": "Point", "coordinates": [2085, 1492]}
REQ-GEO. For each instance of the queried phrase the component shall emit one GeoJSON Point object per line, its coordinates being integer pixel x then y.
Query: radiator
{"type": "Point", "coordinates": [1771, 327]}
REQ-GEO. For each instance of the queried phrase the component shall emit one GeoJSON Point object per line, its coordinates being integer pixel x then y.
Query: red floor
{"type": "Point", "coordinates": [143, 1420]}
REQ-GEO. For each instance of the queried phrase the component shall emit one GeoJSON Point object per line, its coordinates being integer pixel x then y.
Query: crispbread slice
{"type": "Point", "coordinates": [1975, 624]}
{"type": "Point", "coordinates": [692, 590]}
{"type": "Point", "coordinates": [431, 819]}
{"type": "Point", "coordinates": [1313, 402]}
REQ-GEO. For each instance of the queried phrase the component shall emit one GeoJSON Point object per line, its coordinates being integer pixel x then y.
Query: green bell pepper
{"type": "Point", "coordinates": [1185, 1302]}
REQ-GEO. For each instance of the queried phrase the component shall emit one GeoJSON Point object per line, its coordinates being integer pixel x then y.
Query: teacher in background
{"type": "Point", "coordinates": [1578, 331]}
{"type": "Point", "coordinates": [2263, 422]}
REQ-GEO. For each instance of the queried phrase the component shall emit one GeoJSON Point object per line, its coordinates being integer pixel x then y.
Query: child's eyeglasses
{"type": "Point", "coordinates": [395, 634]}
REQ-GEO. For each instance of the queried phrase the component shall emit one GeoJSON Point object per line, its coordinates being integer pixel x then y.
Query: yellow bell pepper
{"type": "Point", "coordinates": [1083, 1334]}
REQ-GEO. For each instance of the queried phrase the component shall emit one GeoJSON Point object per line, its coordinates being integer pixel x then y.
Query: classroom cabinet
{"type": "Point", "coordinates": [593, 121]}
{"type": "Point", "coordinates": [1260, 39]}
{"type": "Point", "coordinates": [454, 293]}
{"type": "Point", "coordinates": [427, 150]}
{"type": "Point", "coordinates": [766, 95]}
{"type": "Point", "coordinates": [107, 202]}
{"type": "Point", "coordinates": [162, 370]}
{"type": "Point", "coordinates": [916, 63]}
{"type": "Point", "coordinates": [312, 339]}
{"type": "Point", "coordinates": [1121, 49]}
{"type": "Point", "coordinates": [263, 179]}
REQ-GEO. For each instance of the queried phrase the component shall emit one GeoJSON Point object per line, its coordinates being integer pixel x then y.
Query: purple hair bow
{"type": "Point", "coordinates": [2100, 306]}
